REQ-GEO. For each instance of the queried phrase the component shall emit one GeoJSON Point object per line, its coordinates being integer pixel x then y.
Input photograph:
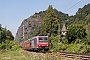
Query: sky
{"type": "Point", "coordinates": [13, 12]}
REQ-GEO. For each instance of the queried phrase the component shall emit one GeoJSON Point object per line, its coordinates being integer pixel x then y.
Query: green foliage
{"type": "Point", "coordinates": [10, 45]}
{"type": "Point", "coordinates": [2, 35]}
{"type": "Point", "coordinates": [61, 16]}
{"type": "Point", "coordinates": [50, 22]}
{"type": "Point", "coordinates": [77, 41]}
{"type": "Point", "coordinates": [64, 40]}
{"type": "Point", "coordinates": [82, 16]}
{"type": "Point", "coordinates": [75, 31]}
{"type": "Point", "coordinates": [5, 34]}
{"type": "Point", "coordinates": [57, 44]}
{"type": "Point", "coordinates": [9, 35]}
{"type": "Point", "coordinates": [87, 21]}
{"type": "Point", "coordinates": [72, 48]}
{"type": "Point", "coordinates": [2, 46]}
{"type": "Point", "coordinates": [54, 43]}
{"type": "Point", "coordinates": [78, 48]}
{"type": "Point", "coordinates": [63, 46]}
{"type": "Point", "coordinates": [88, 37]}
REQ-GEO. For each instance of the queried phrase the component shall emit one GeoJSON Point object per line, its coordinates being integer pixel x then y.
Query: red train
{"type": "Point", "coordinates": [36, 43]}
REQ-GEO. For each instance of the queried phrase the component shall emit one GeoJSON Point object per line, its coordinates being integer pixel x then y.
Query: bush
{"type": "Point", "coordinates": [57, 44]}
{"type": "Point", "coordinates": [77, 48]}
{"type": "Point", "coordinates": [63, 46]}
{"type": "Point", "coordinates": [54, 43]}
{"type": "Point", "coordinates": [77, 41]}
{"type": "Point", "coordinates": [10, 45]}
{"type": "Point", "coordinates": [15, 46]}
{"type": "Point", "coordinates": [64, 40]}
{"type": "Point", "coordinates": [2, 46]}
{"type": "Point", "coordinates": [75, 31]}
{"type": "Point", "coordinates": [82, 41]}
{"type": "Point", "coordinates": [85, 49]}
{"type": "Point", "coordinates": [73, 48]}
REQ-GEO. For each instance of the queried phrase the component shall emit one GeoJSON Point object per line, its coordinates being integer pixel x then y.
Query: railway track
{"type": "Point", "coordinates": [71, 56]}
{"type": "Point", "coordinates": [57, 56]}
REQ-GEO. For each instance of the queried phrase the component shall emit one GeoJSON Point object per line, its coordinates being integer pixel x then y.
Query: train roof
{"type": "Point", "coordinates": [36, 36]}
{"type": "Point", "coordinates": [33, 38]}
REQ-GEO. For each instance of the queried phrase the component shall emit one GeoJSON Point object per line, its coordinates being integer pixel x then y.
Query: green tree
{"type": "Point", "coordinates": [5, 34]}
{"type": "Point", "coordinates": [50, 22]}
{"type": "Point", "coordinates": [75, 31]}
{"type": "Point", "coordinates": [87, 19]}
{"type": "Point", "coordinates": [2, 34]}
{"type": "Point", "coordinates": [9, 35]}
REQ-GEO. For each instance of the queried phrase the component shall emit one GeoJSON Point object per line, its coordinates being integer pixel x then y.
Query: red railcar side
{"type": "Point", "coordinates": [26, 45]}
{"type": "Point", "coordinates": [36, 43]}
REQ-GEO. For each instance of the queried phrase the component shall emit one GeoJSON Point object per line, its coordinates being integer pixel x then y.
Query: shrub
{"type": "Point", "coordinates": [2, 46]}
{"type": "Point", "coordinates": [64, 40]}
{"type": "Point", "coordinates": [73, 48]}
{"type": "Point", "coordinates": [14, 45]}
{"type": "Point", "coordinates": [63, 46]}
{"type": "Point", "coordinates": [77, 41]}
{"type": "Point", "coordinates": [75, 31]}
{"type": "Point", "coordinates": [54, 43]}
{"type": "Point", "coordinates": [85, 49]}
{"type": "Point", "coordinates": [10, 45]}
{"type": "Point", "coordinates": [78, 48]}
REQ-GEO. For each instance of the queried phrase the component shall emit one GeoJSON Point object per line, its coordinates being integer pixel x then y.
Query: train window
{"type": "Point", "coordinates": [43, 39]}
{"type": "Point", "coordinates": [40, 39]}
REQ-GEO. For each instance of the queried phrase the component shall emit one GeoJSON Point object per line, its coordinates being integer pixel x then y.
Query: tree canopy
{"type": "Point", "coordinates": [5, 34]}
{"type": "Point", "coordinates": [50, 22]}
{"type": "Point", "coordinates": [75, 31]}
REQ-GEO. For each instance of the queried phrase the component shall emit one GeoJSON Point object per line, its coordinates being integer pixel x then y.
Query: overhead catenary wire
{"type": "Point", "coordinates": [73, 5]}
{"type": "Point", "coordinates": [68, 3]}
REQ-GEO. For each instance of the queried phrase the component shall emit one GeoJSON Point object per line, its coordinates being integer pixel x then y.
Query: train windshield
{"type": "Point", "coordinates": [43, 39]}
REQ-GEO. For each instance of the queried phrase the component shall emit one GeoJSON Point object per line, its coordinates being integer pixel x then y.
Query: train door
{"type": "Point", "coordinates": [33, 43]}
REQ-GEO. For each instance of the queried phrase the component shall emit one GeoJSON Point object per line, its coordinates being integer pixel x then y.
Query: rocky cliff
{"type": "Point", "coordinates": [29, 27]}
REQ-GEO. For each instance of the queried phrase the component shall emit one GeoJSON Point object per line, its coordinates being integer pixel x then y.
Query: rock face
{"type": "Point", "coordinates": [29, 27]}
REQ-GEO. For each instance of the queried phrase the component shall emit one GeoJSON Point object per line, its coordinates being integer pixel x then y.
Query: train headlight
{"type": "Point", "coordinates": [47, 45]}
{"type": "Point", "coordinates": [39, 45]}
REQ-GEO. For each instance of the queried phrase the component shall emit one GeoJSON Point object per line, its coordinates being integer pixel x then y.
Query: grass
{"type": "Point", "coordinates": [24, 55]}
{"type": "Point", "coordinates": [12, 55]}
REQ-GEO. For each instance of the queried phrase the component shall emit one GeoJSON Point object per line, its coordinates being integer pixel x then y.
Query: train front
{"type": "Point", "coordinates": [43, 43]}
